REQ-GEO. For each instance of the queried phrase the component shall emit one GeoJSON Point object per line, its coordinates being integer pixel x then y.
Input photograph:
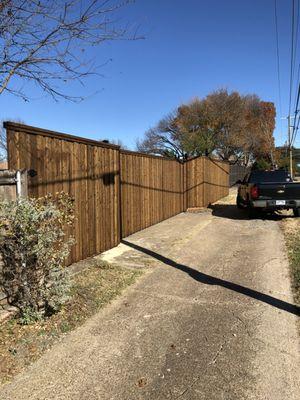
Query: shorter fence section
{"type": "Point", "coordinates": [207, 181]}
{"type": "Point", "coordinates": [237, 172]}
{"type": "Point", "coordinates": [216, 180]}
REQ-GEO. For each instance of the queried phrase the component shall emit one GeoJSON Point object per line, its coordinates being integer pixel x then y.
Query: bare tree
{"type": "Point", "coordinates": [45, 41]}
{"type": "Point", "coordinates": [165, 139]}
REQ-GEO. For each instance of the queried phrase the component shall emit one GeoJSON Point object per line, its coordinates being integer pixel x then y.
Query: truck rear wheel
{"type": "Point", "coordinates": [252, 213]}
{"type": "Point", "coordinates": [239, 203]}
{"type": "Point", "coordinates": [255, 213]}
{"type": "Point", "coordinates": [296, 212]}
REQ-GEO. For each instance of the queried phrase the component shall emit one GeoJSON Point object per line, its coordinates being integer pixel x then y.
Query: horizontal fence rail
{"type": "Point", "coordinates": [116, 192]}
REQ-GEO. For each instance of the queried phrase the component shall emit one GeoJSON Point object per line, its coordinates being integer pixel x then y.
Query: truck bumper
{"type": "Point", "coordinates": [272, 205]}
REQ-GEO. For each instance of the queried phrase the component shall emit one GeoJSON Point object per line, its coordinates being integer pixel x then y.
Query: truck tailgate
{"type": "Point", "coordinates": [284, 191]}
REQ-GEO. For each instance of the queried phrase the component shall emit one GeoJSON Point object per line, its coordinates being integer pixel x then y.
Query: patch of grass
{"type": "Point", "coordinates": [291, 229]}
{"type": "Point", "coordinates": [92, 289]}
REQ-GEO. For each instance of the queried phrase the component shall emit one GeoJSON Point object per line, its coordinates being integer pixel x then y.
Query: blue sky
{"type": "Point", "coordinates": [190, 48]}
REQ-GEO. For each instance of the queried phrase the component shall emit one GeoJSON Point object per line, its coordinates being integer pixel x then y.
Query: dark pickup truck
{"type": "Point", "coordinates": [269, 191]}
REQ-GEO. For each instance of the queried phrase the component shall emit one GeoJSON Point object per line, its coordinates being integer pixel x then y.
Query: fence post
{"type": "Point", "coordinates": [21, 184]}
{"type": "Point", "coordinates": [204, 189]}
{"type": "Point", "coordinates": [184, 186]}
{"type": "Point", "coordinates": [120, 197]}
{"type": "Point", "coordinates": [13, 184]}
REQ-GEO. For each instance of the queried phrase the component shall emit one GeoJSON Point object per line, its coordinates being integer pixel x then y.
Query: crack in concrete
{"type": "Point", "coordinates": [212, 362]}
{"type": "Point", "coordinates": [252, 336]}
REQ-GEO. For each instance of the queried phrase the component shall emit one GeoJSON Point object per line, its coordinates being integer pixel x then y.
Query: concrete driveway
{"type": "Point", "coordinates": [212, 318]}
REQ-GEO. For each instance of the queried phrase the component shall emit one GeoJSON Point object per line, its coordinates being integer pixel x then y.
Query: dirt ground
{"type": "Point", "coordinates": [213, 318]}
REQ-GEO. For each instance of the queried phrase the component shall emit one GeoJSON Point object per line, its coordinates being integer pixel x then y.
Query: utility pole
{"type": "Point", "coordinates": [290, 145]}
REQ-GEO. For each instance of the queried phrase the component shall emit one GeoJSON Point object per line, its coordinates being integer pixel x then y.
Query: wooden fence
{"type": "Point", "coordinates": [206, 181]}
{"type": "Point", "coordinates": [151, 190]}
{"type": "Point", "coordinates": [87, 170]}
{"type": "Point", "coordinates": [116, 192]}
{"type": "Point", "coordinates": [237, 172]}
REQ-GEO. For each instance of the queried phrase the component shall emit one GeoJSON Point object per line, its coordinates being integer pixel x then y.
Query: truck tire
{"type": "Point", "coordinates": [296, 212]}
{"type": "Point", "coordinates": [254, 213]}
{"type": "Point", "coordinates": [239, 203]}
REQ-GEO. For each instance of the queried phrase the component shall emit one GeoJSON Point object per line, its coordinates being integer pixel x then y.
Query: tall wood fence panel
{"type": "Point", "coordinates": [86, 169]}
{"type": "Point", "coordinates": [237, 172]}
{"type": "Point", "coordinates": [195, 182]}
{"type": "Point", "coordinates": [151, 190]}
{"type": "Point", "coordinates": [207, 181]}
{"type": "Point", "coordinates": [216, 180]}
{"type": "Point", "coordinates": [116, 192]}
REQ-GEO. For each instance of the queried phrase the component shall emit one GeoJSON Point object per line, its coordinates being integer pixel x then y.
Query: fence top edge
{"type": "Point", "coordinates": [217, 160]}
{"type": "Point", "coordinates": [138, 153]}
{"type": "Point", "coordinates": [57, 135]}
{"type": "Point", "coordinates": [208, 158]}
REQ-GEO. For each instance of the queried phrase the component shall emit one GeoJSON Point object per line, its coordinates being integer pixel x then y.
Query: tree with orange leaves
{"type": "Point", "coordinates": [232, 126]}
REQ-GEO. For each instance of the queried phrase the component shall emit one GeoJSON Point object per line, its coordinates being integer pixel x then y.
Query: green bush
{"type": "Point", "coordinates": [34, 245]}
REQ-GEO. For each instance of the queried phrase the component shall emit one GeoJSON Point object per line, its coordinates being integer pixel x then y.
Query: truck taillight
{"type": "Point", "coordinates": [254, 192]}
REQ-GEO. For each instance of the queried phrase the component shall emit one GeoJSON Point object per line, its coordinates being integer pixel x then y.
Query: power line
{"type": "Point", "coordinates": [297, 93]}
{"type": "Point", "coordinates": [278, 62]}
{"type": "Point", "coordinates": [297, 84]}
{"type": "Point", "coordinates": [278, 59]}
{"type": "Point", "coordinates": [292, 55]}
{"type": "Point", "coordinates": [291, 130]}
{"type": "Point", "coordinates": [297, 75]}
{"type": "Point", "coordinates": [296, 122]}
{"type": "Point", "coordinates": [296, 37]}
{"type": "Point", "coordinates": [295, 130]}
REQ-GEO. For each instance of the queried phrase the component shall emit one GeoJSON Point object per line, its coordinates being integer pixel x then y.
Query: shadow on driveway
{"type": "Point", "coordinates": [230, 211]}
{"type": "Point", "coordinates": [211, 280]}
